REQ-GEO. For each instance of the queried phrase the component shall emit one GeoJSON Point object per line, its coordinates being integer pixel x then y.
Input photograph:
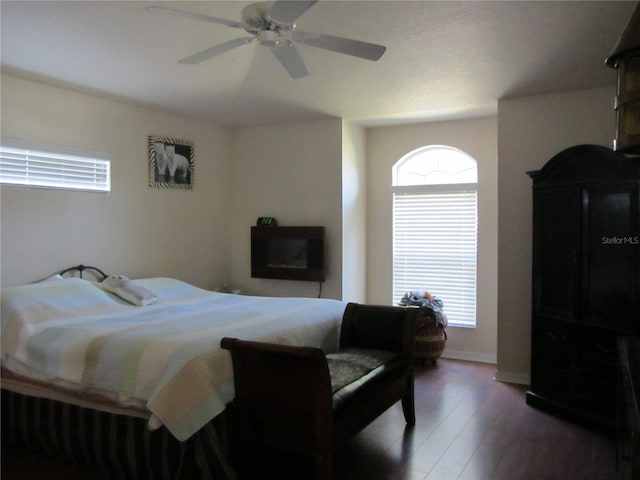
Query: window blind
{"type": "Point", "coordinates": [53, 168]}
{"type": "Point", "coordinates": [434, 247]}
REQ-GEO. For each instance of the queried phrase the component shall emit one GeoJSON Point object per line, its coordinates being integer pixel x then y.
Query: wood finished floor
{"type": "Point", "coordinates": [468, 427]}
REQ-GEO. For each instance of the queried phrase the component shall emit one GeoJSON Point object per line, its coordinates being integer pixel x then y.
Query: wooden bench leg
{"type": "Point", "coordinates": [408, 406]}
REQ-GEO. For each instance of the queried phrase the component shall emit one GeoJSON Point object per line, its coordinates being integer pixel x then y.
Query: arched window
{"type": "Point", "coordinates": [435, 219]}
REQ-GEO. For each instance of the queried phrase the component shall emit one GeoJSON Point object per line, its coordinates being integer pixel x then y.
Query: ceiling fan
{"type": "Point", "coordinates": [272, 24]}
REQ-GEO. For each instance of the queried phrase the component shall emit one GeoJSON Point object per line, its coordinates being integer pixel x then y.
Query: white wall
{"type": "Point", "coordinates": [295, 172]}
{"type": "Point", "coordinates": [136, 230]}
{"type": "Point", "coordinates": [354, 213]}
{"type": "Point", "coordinates": [385, 146]}
{"type": "Point", "coordinates": [292, 172]}
{"type": "Point", "coordinates": [530, 131]}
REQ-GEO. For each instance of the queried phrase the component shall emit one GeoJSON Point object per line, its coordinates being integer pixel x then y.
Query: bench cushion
{"type": "Point", "coordinates": [356, 371]}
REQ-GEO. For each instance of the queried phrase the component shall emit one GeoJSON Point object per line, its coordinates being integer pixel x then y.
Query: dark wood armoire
{"type": "Point", "coordinates": [586, 280]}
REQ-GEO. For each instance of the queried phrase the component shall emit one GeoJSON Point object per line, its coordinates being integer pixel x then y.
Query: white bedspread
{"type": "Point", "coordinates": [167, 354]}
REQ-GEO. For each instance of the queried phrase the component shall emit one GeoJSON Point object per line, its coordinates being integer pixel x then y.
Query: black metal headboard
{"type": "Point", "coordinates": [82, 268]}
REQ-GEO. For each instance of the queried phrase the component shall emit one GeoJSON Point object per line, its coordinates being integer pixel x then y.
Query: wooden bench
{"type": "Point", "coordinates": [300, 400]}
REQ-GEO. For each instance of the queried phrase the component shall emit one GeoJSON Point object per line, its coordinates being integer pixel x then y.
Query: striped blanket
{"type": "Point", "coordinates": [165, 355]}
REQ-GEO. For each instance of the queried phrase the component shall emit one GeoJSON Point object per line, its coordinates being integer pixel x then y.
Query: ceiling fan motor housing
{"type": "Point", "coordinates": [256, 16]}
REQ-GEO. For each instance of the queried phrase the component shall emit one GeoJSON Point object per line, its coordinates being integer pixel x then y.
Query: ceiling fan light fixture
{"type": "Point", "coordinates": [268, 38]}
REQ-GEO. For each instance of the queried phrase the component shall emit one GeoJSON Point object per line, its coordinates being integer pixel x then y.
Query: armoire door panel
{"type": "Point", "coordinates": [611, 253]}
{"type": "Point", "coordinates": [556, 267]}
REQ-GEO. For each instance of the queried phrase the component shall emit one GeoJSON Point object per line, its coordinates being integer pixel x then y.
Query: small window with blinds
{"type": "Point", "coordinates": [29, 165]}
{"type": "Point", "coordinates": [435, 229]}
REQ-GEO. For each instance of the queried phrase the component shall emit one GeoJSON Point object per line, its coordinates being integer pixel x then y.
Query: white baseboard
{"type": "Point", "coordinates": [500, 376]}
{"type": "Point", "coordinates": [513, 377]}
{"type": "Point", "coordinates": [470, 356]}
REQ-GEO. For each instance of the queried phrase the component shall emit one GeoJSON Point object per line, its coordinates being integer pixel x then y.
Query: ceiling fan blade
{"type": "Point", "coordinates": [290, 59]}
{"type": "Point", "coordinates": [197, 16]}
{"type": "Point", "coordinates": [217, 50]}
{"type": "Point", "coordinates": [356, 48]}
{"type": "Point", "coordinates": [288, 11]}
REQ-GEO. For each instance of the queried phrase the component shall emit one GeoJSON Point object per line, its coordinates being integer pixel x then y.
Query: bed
{"type": "Point", "coordinates": [140, 391]}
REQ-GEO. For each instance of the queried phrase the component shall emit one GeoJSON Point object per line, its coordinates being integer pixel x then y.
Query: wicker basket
{"type": "Point", "coordinates": [430, 339]}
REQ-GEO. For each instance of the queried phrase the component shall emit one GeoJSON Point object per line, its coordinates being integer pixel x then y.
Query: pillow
{"type": "Point", "coordinates": [54, 300]}
{"type": "Point", "coordinates": [128, 290]}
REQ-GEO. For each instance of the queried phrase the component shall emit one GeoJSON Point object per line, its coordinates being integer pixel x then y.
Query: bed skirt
{"type": "Point", "coordinates": [121, 445]}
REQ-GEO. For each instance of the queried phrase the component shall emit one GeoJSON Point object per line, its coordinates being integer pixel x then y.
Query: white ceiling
{"type": "Point", "coordinates": [444, 59]}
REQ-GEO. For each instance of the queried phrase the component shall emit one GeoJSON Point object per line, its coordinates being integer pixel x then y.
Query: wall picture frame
{"type": "Point", "coordinates": [171, 163]}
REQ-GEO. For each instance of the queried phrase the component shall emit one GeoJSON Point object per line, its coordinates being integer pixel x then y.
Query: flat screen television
{"type": "Point", "coordinates": [288, 253]}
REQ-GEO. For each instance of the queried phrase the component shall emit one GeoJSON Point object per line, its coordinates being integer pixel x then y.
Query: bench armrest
{"type": "Point", "coordinates": [280, 384]}
{"type": "Point", "coordinates": [379, 327]}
